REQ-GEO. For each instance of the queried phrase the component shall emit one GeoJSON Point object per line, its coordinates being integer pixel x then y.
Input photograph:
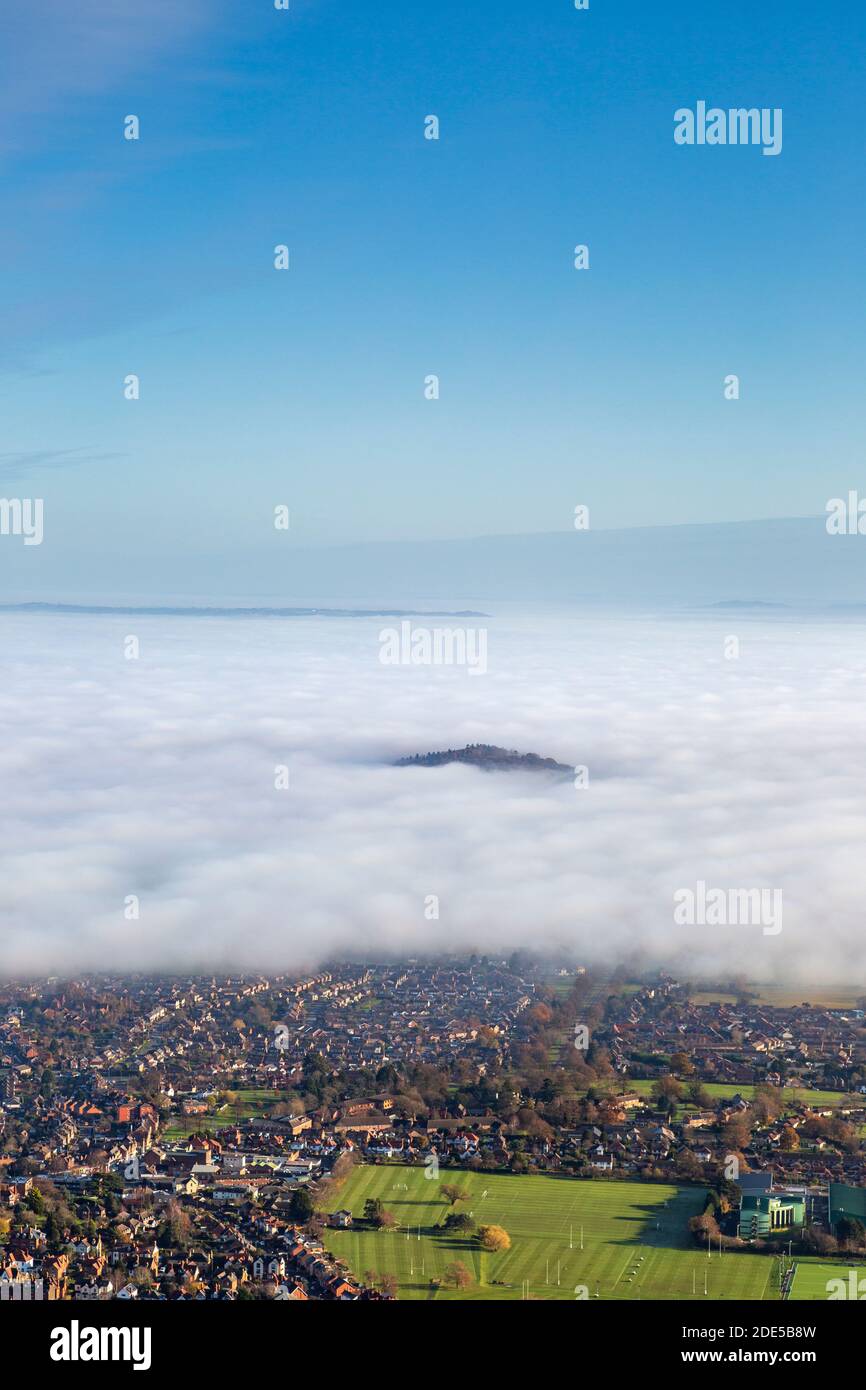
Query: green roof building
{"type": "Point", "coordinates": [846, 1201]}
{"type": "Point", "coordinates": [764, 1214]}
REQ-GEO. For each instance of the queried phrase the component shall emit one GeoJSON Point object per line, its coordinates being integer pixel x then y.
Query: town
{"type": "Point", "coordinates": [282, 1138]}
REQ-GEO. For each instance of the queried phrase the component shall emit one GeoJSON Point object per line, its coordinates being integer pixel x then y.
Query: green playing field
{"type": "Point", "coordinates": [813, 1280]}
{"type": "Point", "coordinates": [634, 1238]}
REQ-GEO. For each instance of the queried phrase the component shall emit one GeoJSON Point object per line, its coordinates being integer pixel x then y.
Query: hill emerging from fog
{"type": "Point", "coordinates": [489, 758]}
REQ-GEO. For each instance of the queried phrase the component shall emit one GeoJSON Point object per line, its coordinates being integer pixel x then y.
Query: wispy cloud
{"type": "Point", "coordinates": [55, 53]}
{"type": "Point", "coordinates": [25, 463]}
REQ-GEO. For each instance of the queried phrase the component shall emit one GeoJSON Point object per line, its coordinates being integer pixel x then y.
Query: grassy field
{"type": "Point", "coordinates": [635, 1239]}
{"type": "Point", "coordinates": [790, 1094]}
{"type": "Point", "coordinates": [255, 1103]}
{"type": "Point", "coordinates": [839, 997]}
{"type": "Point", "coordinates": [786, 996]}
{"type": "Point", "coordinates": [813, 1276]}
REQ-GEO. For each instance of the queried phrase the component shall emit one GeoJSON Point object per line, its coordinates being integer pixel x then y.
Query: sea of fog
{"type": "Point", "coordinates": [226, 796]}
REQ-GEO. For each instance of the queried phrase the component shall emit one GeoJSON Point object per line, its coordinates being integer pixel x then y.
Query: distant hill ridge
{"type": "Point", "coordinates": [488, 757]}
{"type": "Point", "coordinates": [172, 611]}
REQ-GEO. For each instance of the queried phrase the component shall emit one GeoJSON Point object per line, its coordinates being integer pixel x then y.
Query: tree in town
{"type": "Point", "coordinates": [372, 1210]}
{"type": "Point", "coordinates": [666, 1092]}
{"type": "Point", "coordinates": [301, 1206]}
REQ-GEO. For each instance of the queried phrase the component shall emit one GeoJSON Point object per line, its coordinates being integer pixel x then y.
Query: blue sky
{"type": "Point", "coordinates": [411, 257]}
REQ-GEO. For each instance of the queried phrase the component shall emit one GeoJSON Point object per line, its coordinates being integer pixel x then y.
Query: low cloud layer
{"type": "Point", "coordinates": [155, 778]}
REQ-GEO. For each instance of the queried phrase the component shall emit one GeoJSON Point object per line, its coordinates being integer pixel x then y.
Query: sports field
{"type": "Point", "coordinates": [634, 1236]}
{"type": "Point", "coordinates": [723, 1090]}
{"type": "Point", "coordinates": [786, 997]}
{"type": "Point", "coordinates": [813, 1276]}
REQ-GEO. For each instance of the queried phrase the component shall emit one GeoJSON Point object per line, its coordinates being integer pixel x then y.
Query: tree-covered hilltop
{"type": "Point", "coordinates": [486, 756]}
